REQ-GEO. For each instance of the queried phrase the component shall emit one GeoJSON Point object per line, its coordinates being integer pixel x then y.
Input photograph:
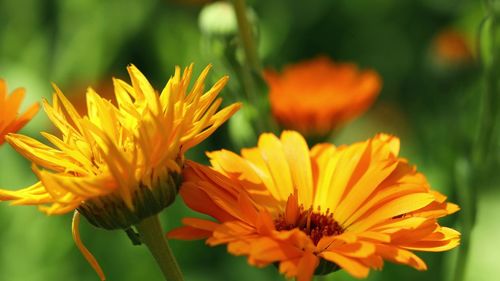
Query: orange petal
{"type": "Point", "coordinates": [269, 250]}
{"type": "Point", "coordinates": [307, 266]}
{"type": "Point", "coordinates": [239, 247]}
{"type": "Point", "coordinates": [355, 250]}
{"type": "Point", "coordinates": [247, 208]}
{"type": "Point", "coordinates": [351, 265]}
{"type": "Point", "coordinates": [188, 233]}
{"type": "Point", "coordinates": [442, 240]}
{"type": "Point", "coordinates": [289, 267]}
{"type": "Point", "coordinates": [199, 201]}
{"type": "Point", "coordinates": [85, 252]}
{"type": "Point", "coordinates": [398, 206]}
{"type": "Point", "coordinates": [292, 210]}
{"type": "Point", "coordinates": [402, 256]}
{"type": "Point", "coordinates": [231, 231]}
{"type": "Point", "coordinates": [369, 181]}
{"type": "Point", "coordinates": [330, 193]}
{"type": "Point", "coordinates": [230, 162]}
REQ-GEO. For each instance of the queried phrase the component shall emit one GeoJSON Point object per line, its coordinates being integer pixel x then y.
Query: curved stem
{"type": "Point", "coordinates": [151, 234]}
{"type": "Point", "coordinates": [252, 66]}
{"type": "Point", "coordinates": [485, 138]}
{"type": "Point", "coordinates": [246, 34]}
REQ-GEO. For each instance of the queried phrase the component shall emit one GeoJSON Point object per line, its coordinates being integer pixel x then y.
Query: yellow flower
{"type": "Point", "coordinates": [121, 163]}
{"type": "Point", "coordinates": [318, 210]}
{"type": "Point", "coordinates": [317, 96]}
{"type": "Point", "coordinates": [9, 105]}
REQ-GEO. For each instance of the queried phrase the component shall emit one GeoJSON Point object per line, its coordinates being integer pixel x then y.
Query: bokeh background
{"type": "Point", "coordinates": [425, 51]}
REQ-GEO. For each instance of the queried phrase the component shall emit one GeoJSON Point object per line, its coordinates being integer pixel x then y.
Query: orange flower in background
{"type": "Point", "coordinates": [10, 121]}
{"type": "Point", "coordinates": [452, 47]}
{"type": "Point", "coordinates": [316, 210]}
{"type": "Point", "coordinates": [316, 96]}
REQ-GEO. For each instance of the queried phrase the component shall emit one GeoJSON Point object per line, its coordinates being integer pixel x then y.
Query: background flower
{"type": "Point", "coordinates": [317, 96]}
{"type": "Point", "coordinates": [452, 48]}
{"type": "Point", "coordinates": [10, 121]}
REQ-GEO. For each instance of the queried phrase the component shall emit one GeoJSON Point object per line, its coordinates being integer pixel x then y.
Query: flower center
{"type": "Point", "coordinates": [313, 223]}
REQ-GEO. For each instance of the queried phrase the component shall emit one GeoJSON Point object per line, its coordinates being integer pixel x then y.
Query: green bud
{"type": "Point", "coordinates": [219, 19]}
{"type": "Point", "coordinates": [111, 212]}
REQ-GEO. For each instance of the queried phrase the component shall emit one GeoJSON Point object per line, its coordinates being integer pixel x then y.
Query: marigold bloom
{"type": "Point", "coordinates": [314, 211]}
{"type": "Point", "coordinates": [119, 164]}
{"type": "Point", "coordinates": [10, 121]}
{"type": "Point", "coordinates": [316, 96]}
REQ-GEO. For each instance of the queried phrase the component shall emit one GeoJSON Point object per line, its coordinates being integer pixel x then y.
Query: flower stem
{"type": "Point", "coordinates": [151, 234]}
{"type": "Point", "coordinates": [250, 70]}
{"type": "Point", "coordinates": [467, 197]}
{"type": "Point", "coordinates": [480, 158]}
{"type": "Point", "coordinates": [246, 34]}
{"type": "Point", "coordinates": [485, 139]}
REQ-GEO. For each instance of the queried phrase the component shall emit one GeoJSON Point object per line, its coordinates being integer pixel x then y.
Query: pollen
{"type": "Point", "coordinates": [315, 224]}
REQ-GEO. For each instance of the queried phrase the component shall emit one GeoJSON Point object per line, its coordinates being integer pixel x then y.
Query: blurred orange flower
{"type": "Point", "coordinates": [316, 96]}
{"type": "Point", "coordinates": [10, 121]}
{"type": "Point", "coordinates": [452, 47]}
{"type": "Point", "coordinates": [318, 210]}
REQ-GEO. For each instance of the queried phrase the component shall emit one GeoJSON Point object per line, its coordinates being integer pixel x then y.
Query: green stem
{"type": "Point", "coordinates": [467, 197]}
{"type": "Point", "coordinates": [463, 253]}
{"type": "Point", "coordinates": [246, 34]}
{"type": "Point", "coordinates": [468, 178]}
{"type": "Point", "coordinates": [152, 235]}
{"type": "Point", "coordinates": [489, 99]}
{"type": "Point", "coordinates": [251, 67]}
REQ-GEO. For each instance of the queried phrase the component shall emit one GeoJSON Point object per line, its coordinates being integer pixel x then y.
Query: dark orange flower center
{"type": "Point", "coordinates": [313, 223]}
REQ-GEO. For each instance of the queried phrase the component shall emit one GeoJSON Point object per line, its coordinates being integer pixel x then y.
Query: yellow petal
{"type": "Point", "coordinates": [85, 252]}
{"type": "Point", "coordinates": [399, 206]}
{"type": "Point", "coordinates": [351, 265]}
{"type": "Point", "coordinates": [297, 155]}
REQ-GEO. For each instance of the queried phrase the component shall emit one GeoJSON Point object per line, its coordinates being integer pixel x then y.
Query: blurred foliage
{"type": "Point", "coordinates": [433, 107]}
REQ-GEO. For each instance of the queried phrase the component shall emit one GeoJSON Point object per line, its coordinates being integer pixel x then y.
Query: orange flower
{"type": "Point", "coordinates": [10, 121]}
{"type": "Point", "coordinates": [315, 97]}
{"type": "Point", "coordinates": [452, 48]}
{"type": "Point", "coordinates": [314, 211]}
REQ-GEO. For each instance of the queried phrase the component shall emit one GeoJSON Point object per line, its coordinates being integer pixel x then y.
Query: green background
{"type": "Point", "coordinates": [432, 107]}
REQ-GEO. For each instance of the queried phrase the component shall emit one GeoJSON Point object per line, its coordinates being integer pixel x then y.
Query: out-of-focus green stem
{"type": "Point", "coordinates": [246, 34]}
{"type": "Point", "coordinates": [152, 235]}
{"type": "Point", "coordinates": [469, 177]}
{"type": "Point", "coordinates": [251, 67]}
{"type": "Point", "coordinates": [466, 193]}
{"type": "Point", "coordinates": [490, 98]}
